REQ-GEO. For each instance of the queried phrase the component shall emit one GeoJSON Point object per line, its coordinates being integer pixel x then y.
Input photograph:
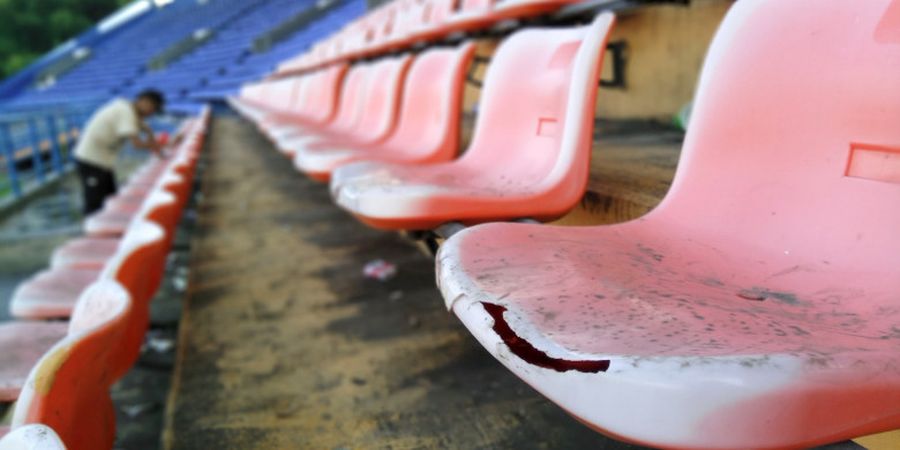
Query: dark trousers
{"type": "Point", "coordinates": [97, 183]}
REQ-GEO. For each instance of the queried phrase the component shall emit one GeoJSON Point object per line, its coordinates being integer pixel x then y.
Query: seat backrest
{"type": "Point", "coordinates": [379, 109]}
{"type": "Point", "coordinates": [794, 141]}
{"type": "Point", "coordinates": [472, 6]}
{"type": "Point", "coordinates": [436, 12]}
{"type": "Point", "coordinates": [280, 95]}
{"type": "Point", "coordinates": [162, 208]}
{"type": "Point", "coordinates": [68, 389]}
{"type": "Point", "coordinates": [536, 112]}
{"type": "Point", "coordinates": [384, 21]}
{"type": "Point", "coordinates": [321, 102]}
{"type": "Point", "coordinates": [352, 94]}
{"type": "Point", "coordinates": [410, 16]}
{"type": "Point", "coordinates": [432, 99]}
{"type": "Point", "coordinates": [138, 266]}
{"type": "Point", "coordinates": [304, 85]}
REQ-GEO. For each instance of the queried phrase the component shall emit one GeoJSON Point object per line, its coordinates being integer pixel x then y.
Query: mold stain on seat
{"type": "Point", "coordinates": [528, 353]}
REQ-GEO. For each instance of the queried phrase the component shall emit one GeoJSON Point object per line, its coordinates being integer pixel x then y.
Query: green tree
{"type": "Point", "coordinates": [31, 28]}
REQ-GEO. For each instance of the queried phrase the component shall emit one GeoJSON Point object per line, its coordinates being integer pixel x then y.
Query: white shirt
{"type": "Point", "coordinates": [106, 133]}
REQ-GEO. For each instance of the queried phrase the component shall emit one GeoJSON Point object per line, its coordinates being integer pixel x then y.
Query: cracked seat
{"type": "Point", "coordinates": [427, 129]}
{"type": "Point", "coordinates": [527, 161]}
{"type": "Point", "coordinates": [317, 155]}
{"type": "Point", "coordinates": [758, 305]}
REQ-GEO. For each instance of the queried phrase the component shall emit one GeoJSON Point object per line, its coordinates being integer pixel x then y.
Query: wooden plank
{"type": "Point", "coordinates": [629, 176]}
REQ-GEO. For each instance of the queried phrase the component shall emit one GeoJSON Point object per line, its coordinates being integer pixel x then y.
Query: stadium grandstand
{"type": "Point", "coordinates": [504, 224]}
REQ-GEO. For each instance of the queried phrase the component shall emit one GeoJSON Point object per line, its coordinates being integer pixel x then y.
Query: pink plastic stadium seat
{"type": "Point", "coordinates": [526, 161]}
{"type": "Point", "coordinates": [487, 13]}
{"type": "Point", "coordinates": [84, 253]}
{"type": "Point", "coordinates": [317, 157]}
{"type": "Point", "coordinates": [53, 293]}
{"type": "Point", "coordinates": [473, 15]}
{"type": "Point", "coordinates": [758, 305]}
{"type": "Point", "coordinates": [427, 129]}
{"type": "Point", "coordinates": [68, 389]}
{"type": "Point", "coordinates": [113, 222]}
{"type": "Point", "coordinates": [318, 108]}
{"type": "Point", "coordinates": [348, 114]}
{"type": "Point", "coordinates": [436, 13]}
{"type": "Point", "coordinates": [21, 345]}
{"type": "Point", "coordinates": [279, 113]}
{"type": "Point", "coordinates": [30, 437]}
{"type": "Point", "coordinates": [409, 16]}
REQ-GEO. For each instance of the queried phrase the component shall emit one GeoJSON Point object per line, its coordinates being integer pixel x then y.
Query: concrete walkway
{"type": "Point", "coordinates": [284, 344]}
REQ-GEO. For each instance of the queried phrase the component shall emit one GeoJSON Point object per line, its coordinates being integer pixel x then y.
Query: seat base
{"type": "Point", "coordinates": [22, 344]}
{"type": "Point", "coordinates": [51, 294]}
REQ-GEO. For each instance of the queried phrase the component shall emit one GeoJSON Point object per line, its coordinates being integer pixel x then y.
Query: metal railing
{"type": "Point", "coordinates": [36, 147]}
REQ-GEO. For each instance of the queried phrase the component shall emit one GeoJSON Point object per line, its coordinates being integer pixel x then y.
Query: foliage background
{"type": "Point", "coordinates": [31, 28]}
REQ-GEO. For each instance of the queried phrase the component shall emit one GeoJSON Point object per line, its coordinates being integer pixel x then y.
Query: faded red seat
{"type": "Point", "coordinates": [21, 346]}
{"type": "Point", "coordinates": [758, 305]}
{"type": "Point", "coordinates": [378, 119]}
{"type": "Point", "coordinates": [30, 437]}
{"type": "Point", "coordinates": [112, 222]}
{"type": "Point", "coordinates": [319, 105]}
{"type": "Point", "coordinates": [348, 114]}
{"type": "Point", "coordinates": [84, 253]}
{"type": "Point", "coordinates": [53, 293]}
{"type": "Point", "coordinates": [407, 17]}
{"type": "Point", "coordinates": [303, 87]}
{"type": "Point", "coordinates": [427, 129]}
{"type": "Point", "coordinates": [477, 14]}
{"type": "Point", "coordinates": [530, 161]}
{"type": "Point", "coordinates": [68, 389]}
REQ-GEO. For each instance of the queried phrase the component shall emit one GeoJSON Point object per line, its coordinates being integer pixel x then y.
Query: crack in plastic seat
{"type": "Point", "coordinates": [316, 156]}
{"type": "Point", "coordinates": [428, 122]}
{"type": "Point", "coordinates": [759, 305]}
{"type": "Point", "coordinates": [530, 160]}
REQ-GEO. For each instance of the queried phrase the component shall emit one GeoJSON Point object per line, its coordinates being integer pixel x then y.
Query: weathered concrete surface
{"type": "Point", "coordinates": [284, 344]}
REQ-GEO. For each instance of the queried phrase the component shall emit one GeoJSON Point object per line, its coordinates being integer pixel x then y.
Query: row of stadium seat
{"type": "Point", "coordinates": [401, 24]}
{"type": "Point", "coordinates": [756, 307]}
{"type": "Point", "coordinates": [489, 182]}
{"type": "Point", "coordinates": [60, 373]}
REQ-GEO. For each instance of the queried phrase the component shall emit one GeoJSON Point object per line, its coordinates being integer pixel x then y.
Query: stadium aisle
{"type": "Point", "coordinates": [285, 344]}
